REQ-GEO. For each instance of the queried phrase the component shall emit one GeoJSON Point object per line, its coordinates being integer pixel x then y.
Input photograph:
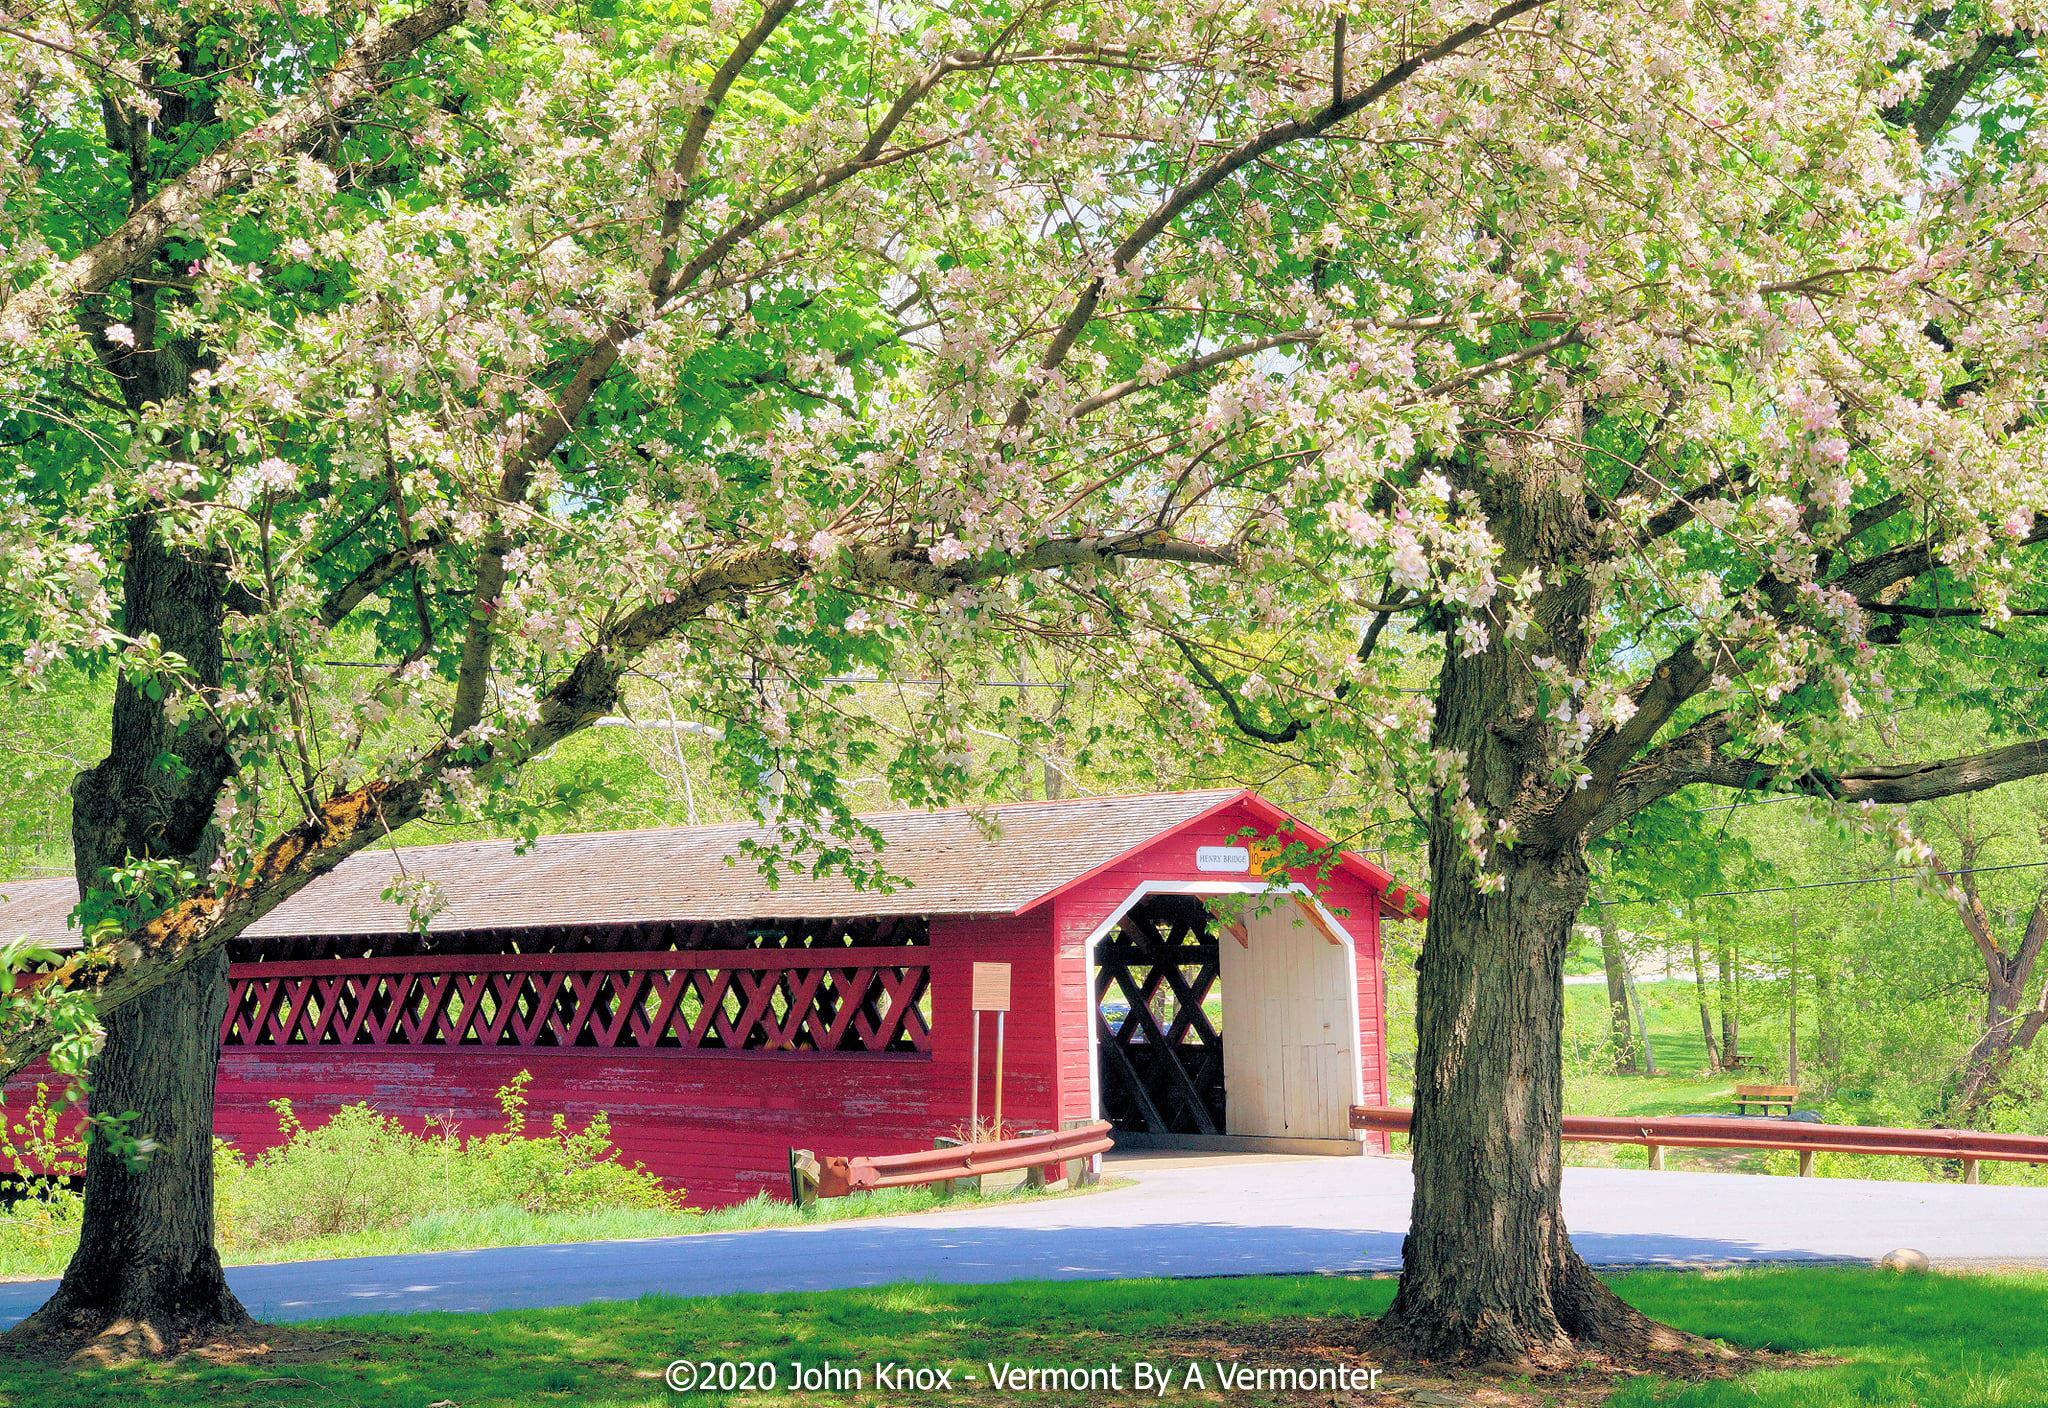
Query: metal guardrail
{"type": "Point", "coordinates": [1970, 1146]}
{"type": "Point", "coordinates": [835, 1176]}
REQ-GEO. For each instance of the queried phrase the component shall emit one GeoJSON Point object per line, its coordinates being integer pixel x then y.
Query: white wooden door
{"type": "Point", "coordinates": [1290, 1046]}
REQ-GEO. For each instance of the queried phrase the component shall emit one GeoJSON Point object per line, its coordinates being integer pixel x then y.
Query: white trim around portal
{"type": "Point", "coordinates": [1147, 888]}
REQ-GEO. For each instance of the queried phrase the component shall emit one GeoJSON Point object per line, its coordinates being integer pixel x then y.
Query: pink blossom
{"type": "Point", "coordinates": [947, 550]}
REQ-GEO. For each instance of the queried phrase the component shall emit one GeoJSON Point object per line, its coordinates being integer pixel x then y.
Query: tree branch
{"type": "Point", "coordinates": [1295, 727]}
{"type": "Point", "coordinates": [1908, 782]}
{"type": "Point", "coordinates": [1970, 909]}
{"type": "Point", "coordinates": [350, 820]}
{"type": "Point", "coordinates": [373, 578]}
{"type": "Point", "coordinates": [690, 153]}
{"type": "Point", "coordinates": [1303, 127]}
{"type": "Point", "coordinates": [1683, 509]}
{"type": "Point", "coordinates": [2032, 939]}
{"type": "Point", "coordinates": [1232, 705]}
{"type": "Point", "coordinates": [1194, 366]}
{"type": "Point", "coordinates": [473, 669]}
{"type": "Point", "coordinates": [1691, 665]}
{"type": "Point", "coordinates": [1662, 771]}
{"type": "Point", "coordinates": [1941, 613]}
{"type": "Point", "coordinates": [1528, 352]}
{"type": "Point", "coordinates": [356, 76]}
{"type": "Point", "coordinates": [1943, 91]}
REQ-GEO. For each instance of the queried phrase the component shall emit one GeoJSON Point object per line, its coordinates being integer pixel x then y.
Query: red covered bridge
{"type": "Point", "coordinates": [720, 1020]}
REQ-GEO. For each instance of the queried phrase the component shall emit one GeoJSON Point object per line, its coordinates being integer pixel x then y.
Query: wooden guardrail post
{"type": "Point", "coordinates": [1806, 1163]}
{"type": "Point", "coordinates": [1656, 1157]}
{"type": "Point", "coordinates": [1081, 1172]}
{"type": "Point", "coordinates": [1969, 1170]}
{"type": "Point", "coordinates": [953, 1187]}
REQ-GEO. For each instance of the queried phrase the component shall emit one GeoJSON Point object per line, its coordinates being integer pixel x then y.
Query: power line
{"type": "Point", "coordinates": [829, 679]}
{"type": "Point", "coordinates": [1756, 802]}
{"type": "Point", "coordinates": [1819, 885]}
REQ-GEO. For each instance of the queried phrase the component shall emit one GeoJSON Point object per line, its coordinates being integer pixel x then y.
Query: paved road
{"type": "Point", "coordinates": [1183, 1216]}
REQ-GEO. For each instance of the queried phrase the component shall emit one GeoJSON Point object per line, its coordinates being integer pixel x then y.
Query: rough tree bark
{"type": "Point", "coordinates": [1621, 1030]}
{"type": "Point", "coordinates": [2013, 1013]}
{"type": "Point", "coordinates": [1792, 1006]}
{"type": "Point", "coordinates": [1726, 978]}
{"type": "Point", "coordinates": [1699, 980]}
{"type": "Point", "coordinates": [146, 1278]}
{"type": "Point", "coordinates": [1488, 1273]}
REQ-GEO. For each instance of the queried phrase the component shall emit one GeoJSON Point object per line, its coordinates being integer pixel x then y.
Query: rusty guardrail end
{"type": "Point", "coordinates": [838, 1176]}
{"type": "Point", "coordinates": [803, 1177]}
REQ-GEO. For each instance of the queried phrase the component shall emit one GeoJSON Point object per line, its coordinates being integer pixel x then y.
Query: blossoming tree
{"type": "Point", "coordinates": [1652, 377]}
{"type": "Point", "coordinates": [1627, 373]}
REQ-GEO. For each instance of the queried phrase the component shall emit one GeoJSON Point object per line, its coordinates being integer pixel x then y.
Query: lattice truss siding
{"type": "Point", "coordinates": [822, 988]}
{"type": "Point", "coordinates": [1162, 1057]}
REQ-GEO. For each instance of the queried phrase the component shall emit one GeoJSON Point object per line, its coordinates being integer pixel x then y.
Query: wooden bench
{"type": "Point", "coordinates": [1765, 1097]}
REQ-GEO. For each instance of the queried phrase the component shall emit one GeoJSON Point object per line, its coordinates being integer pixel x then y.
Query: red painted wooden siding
{"type": "Point", "coordinates": [1084, 908]}
{"type": "Point", "coordinates": [863, 999]}
{"type": "Point", "coordinates": [719, 1123]}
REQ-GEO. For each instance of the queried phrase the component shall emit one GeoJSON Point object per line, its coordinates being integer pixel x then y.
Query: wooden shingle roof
{"type": "Point", "coordinates": [948, 861]}
{"type": "Point", "coordinates": [991, 860]}
{"type": "Point", "coordinates": [39, 909]}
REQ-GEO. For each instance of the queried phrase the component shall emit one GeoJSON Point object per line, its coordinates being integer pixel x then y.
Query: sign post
{"type": "Point", "coordinates": [991, 994]}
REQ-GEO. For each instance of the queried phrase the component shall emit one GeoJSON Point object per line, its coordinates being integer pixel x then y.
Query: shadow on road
{"type": "Point", "coordinates": [848, 1256]}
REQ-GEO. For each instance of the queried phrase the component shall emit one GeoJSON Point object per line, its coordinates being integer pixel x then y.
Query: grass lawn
{"type": "Point", "coordinates": [1682, 1086]}
{"type": "Point", "coordinates": [1935, 1341]}
{"type": "Point", "coordinates": [23, 1258]}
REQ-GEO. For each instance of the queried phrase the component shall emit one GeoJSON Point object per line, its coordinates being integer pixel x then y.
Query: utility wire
{"type": "Point", "coordinates": [829, 679]}
{"type": "Point", "coordinates": [1818, 885]}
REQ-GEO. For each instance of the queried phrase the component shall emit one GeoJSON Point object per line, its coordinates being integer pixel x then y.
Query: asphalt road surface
{"type": "Point", "coordinates": [1182, 1216]}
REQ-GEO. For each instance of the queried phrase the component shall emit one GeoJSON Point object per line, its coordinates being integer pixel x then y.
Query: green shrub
{"type": "Point", "coordinates": [41, 1213]}
{"type": "Point", "coordinates": [361, 1172]}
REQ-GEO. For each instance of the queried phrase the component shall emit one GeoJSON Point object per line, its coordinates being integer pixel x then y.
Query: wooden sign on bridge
{"type": "Point", "coordinates": [991, 994]}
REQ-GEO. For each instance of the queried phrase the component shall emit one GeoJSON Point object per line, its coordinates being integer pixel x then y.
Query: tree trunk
{"type": "Point", "coordinates": [1792, 1008]}
{"type": "Point", "coordinates": [1827, 1031]}
{"type": "Point", "coordinates": [2008, 1032]}
{"type": "Point", "coordinates": [146, 1279]}
{"type": "Point", "coordinates": [1725, 959]}
{"type": "Point", "coordinates": [1488, 1274]}
{"type": "Point", "coordinates": [1699, 982]}
{"type": "Point", "coordinates": [1987, 1060]}
{"type": "Point", "coordinates": [1635, 997]}
{"type": "Point", "coordinates": [2011, 1022]}
{"type": "Point", "coordinates": [1620, 1027]}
